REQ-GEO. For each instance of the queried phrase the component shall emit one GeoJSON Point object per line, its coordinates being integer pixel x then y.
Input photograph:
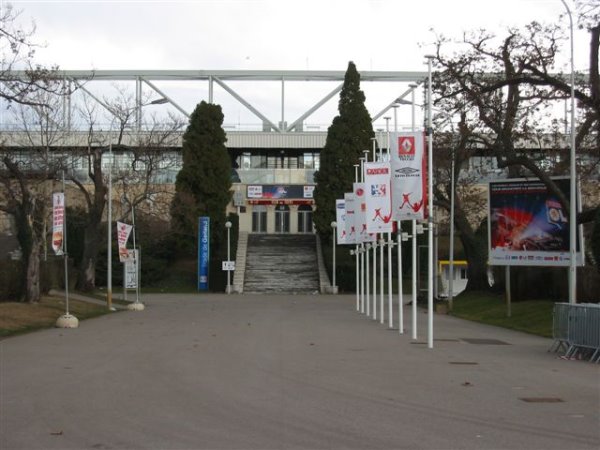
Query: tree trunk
{"type": "Point", "coordinates": [86, 280]}
{"type": "Point", "coordinates": [32, 288]}
{"type": "Point", "coordinates": [477, 263]}
{"type": "Point", "coordinates": [30, 249]}
{"type": "Point", "coordinates": [475, 252]}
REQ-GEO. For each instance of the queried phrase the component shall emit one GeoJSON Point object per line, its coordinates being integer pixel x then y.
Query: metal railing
{"type": "Point", "coordinates": [576, 330]}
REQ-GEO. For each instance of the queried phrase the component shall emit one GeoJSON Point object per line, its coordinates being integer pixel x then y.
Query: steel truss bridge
{"type": "Point", "coordinates": [82, 80]}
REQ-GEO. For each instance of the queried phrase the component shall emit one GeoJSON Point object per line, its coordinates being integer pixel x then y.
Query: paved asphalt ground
{"type": "Point", "coordinates": [288, 372]}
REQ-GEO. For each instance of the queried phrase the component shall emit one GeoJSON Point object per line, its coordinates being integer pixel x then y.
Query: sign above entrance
{"type": "Point", "coordinates": [279, 192]}
{"type": "Point", "coordinates": [281, 202]}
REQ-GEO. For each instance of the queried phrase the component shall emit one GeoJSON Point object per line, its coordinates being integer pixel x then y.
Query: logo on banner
{"type": "Point", "coordinates": [378, 190]}
{"type": "Point", "coordinates": [407, 171]}
{"type": "Point", "coordinates": [378, 171]}
{"type": "Point", "coordinates": [382, 218]}
{"type": "Point", "coordinates": [308, 191]}
{"type": "Point", "coordinates": [406, 147]}
{"type": "Point", "coordinates": [416, 206]}
{"type": "Point", "coordinates": [255, 192]}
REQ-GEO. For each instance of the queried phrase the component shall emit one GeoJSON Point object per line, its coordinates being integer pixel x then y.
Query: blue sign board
{"type": "Point", "coordinates": [203, 252]}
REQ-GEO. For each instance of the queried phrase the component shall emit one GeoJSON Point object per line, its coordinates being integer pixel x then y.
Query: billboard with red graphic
{"type": "Point", "coordinates": [528, 225]}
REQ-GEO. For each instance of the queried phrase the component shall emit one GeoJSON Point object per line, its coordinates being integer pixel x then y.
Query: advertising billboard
{"type": "Point", "coordinates": [527, 225]}
{"type": "Point", "coordinates": [280, 191]}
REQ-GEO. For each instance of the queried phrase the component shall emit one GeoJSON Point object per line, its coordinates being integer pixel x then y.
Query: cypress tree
{"type": "Point", "coordinates": [203, 186]}
{"type": "Point", "coordinates": [348, 136]}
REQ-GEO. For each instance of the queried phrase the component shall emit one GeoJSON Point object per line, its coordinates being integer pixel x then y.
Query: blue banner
{"type": "Point", "coordinates": [203, 252]}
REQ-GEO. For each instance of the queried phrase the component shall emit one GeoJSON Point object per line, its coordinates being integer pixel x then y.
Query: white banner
{"type": "Point", "coordinates": [123, 232]}
{"type": "Point", "coordinates": [340, 218]}
{"type": "Point", "coordinates": [360, 219]}
{"type": "Point", "coordinates": [350, 227]}
{"type": "Point", "coordinates": [130, 269]}
{"type": "Point", "coordinates": [409, 181]}
{"type": "Point", "coordinates": [58, 221]}
{"type": "Point", "coordinates": [378, 197]}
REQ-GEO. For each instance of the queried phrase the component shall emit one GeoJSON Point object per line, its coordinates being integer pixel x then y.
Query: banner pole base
{"type": "Point", "coordinates": [67, 321]}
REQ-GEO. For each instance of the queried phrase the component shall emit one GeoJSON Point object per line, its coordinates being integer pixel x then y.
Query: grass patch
{"type": "Point", "coordinates": [530, 316]}
{"type": "Point", "coordinates": [17, 318]}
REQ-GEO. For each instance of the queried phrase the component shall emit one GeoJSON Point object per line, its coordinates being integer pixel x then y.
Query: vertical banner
{"type": "Point", "coordinates": [350, 226]}
{"type": "Point", "coordinates": [409, 180]}
{"type": "Point", "coordinates": [360, 217]}
{"type": "Point", "coordinates": [130, 269]}
{"type": "Point", "coordinates": [378, 197]}
{"type": "Point", "coordinates": [340, 218]}
{"type": "Point", "coordinates": [203, 252]}
{"type": "Point", "coordinates": [123, 232]}
{"type": "Point", "coordinates": [58, 220]}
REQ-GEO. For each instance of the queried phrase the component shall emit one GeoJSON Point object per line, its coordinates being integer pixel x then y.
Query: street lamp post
{"type": "Point", "coordinates": [573, 176]}
{"type": "Point", "coordinates": [228, 226]}
{"type": "Point", "coordinates": [109, 235]}
{"type": "Point", "coordinates": [430, 207]}
{"type": "Point", "coordinates": [333, 284]}
{"type": "Point", "coordinates": [451, 265]}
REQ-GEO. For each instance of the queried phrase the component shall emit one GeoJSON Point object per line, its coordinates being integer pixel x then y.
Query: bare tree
{"type": "Point", "coordinates": [24, 176]}
{"type": "Point", "coordinates": [27, 174]}
{"type": "Point", "coordinates": [504, 91]}
{"type": "Point", "coordinates": [139, 157]}
{"type": "Point", "coordinates": [17, 50]}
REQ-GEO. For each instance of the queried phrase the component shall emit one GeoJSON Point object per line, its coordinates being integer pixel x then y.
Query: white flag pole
{"type": "Point", "coordinates": [399, 238]}
{"type": "Point", "coordinates": [67, 320]}
{"type": "Point", "coordinates": [367, 246]}
{"type": "Point", "coordinates": [414, 238]}
{"type": "Point", "coordinates": [360, 305]}
{"type": "Point", "coordinates": [64, 243]}
{"type": "Point", "coordinates": [430, 207]}
{"type": "Point", "coordinates": [389, 240]}
{"type": "Point", "coordinates": [355, 253]}
{"type": "Point", "coordinates": [375, 245]}
{"type": "Point", "coordinates": [381, 281]}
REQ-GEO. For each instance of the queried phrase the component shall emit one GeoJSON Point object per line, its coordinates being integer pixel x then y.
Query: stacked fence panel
{"type": "Point", "coordinates": [576, 329]}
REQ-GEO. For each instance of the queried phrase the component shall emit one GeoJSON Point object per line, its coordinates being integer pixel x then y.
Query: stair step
{"type": "Point", "coordinates": [281, 264]}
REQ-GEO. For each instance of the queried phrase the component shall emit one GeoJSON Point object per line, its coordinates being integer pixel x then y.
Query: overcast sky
{"type": "Point", "coordinates": [265, 34]}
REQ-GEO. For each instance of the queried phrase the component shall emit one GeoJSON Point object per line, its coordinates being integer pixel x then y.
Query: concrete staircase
{"type": "Point", "coordinates": [281, 264]}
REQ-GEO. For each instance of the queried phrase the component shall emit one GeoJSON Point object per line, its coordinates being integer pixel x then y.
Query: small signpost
{"type": "Point", "coordinates": [229, 266]}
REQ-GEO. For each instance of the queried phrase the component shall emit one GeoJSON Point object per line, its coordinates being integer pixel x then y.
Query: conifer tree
{"type": "Point", "coordinates": [348, 136]}
{"type": "Point", "coordinates": [203, 186]}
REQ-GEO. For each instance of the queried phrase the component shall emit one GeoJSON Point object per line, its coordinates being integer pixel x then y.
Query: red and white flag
{"type": "Point", "coordinates": [360, 219]}
{"type": "Point", "coordinates": [340, 217]}
{"type": "Point", "coordinates": [378, 197]}
{"type": "Point", "coordinates": [58, 222]}
{"type": "Point", "coordinates": [123, 232]}
{"type": "Point", "coordinates": [409, 180]}
{"type": "Point", "coordinates": [350, 226]}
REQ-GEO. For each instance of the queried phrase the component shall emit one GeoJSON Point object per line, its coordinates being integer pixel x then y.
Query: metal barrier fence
{"type": "Point", "coordinates": [576, 329]}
